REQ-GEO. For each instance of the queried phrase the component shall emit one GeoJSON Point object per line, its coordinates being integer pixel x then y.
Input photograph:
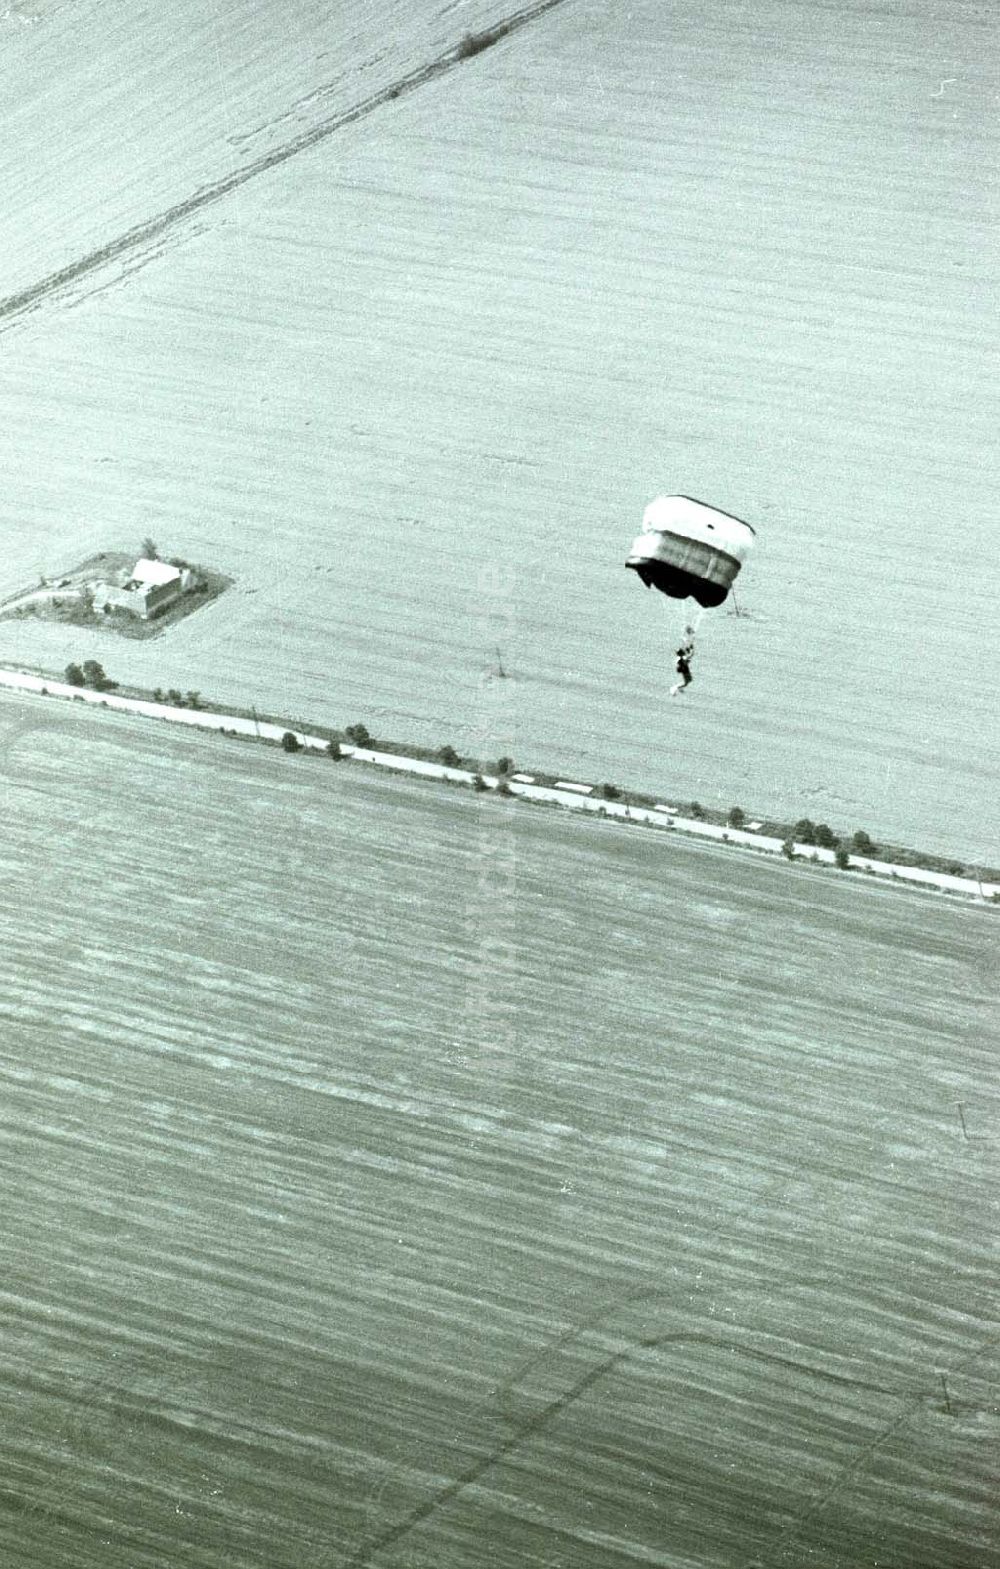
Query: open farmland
{"type": "Point", "coordinates": [116, 114]}
{"type": "Point", "coordinates": [397, 1178]}
{"type": "Point", "coordinates": [739, 252]}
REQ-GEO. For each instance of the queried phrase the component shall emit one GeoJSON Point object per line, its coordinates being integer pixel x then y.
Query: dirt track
{"type": "Point", "coordinates": [138, 240]}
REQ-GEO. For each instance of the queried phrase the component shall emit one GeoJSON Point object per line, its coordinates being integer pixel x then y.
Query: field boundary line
{"type": "Point", "coordinates": [141, 234]}
{"type": "Point", "coordinates": [275, 731]}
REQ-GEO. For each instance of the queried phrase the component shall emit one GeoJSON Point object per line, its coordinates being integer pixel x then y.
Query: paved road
{"type": "Point", "coordinates": [206, 719]}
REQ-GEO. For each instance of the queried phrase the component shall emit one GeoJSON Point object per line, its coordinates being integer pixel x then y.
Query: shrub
{"type": "Point", "coordinates": [955, 869]}
{"type": "Point", "coordinates": [805, 831]}
{"type": "Point", "coordinates": [505, 765]}
{"type": "Point", "coordinates": [291, 742]}
{"type": "Point", "coordinates": [842, 858]}
{"type": "Point", "coordinates": [358, 734]}
{"type": "Point", "coordinates": [737, 817]}
{"type": "Point", "coordinates": [610, 792]}
{"type": "Point", "coordinates": [175, 698]}
{"type": "Point", "coordinates": [825, 837]}
{"type": "Point", "coordinates": [697, 811]}
{"type": "Point", "coordinates": [333, 750]}
{"type": "Point", "coordinates": [475, 43]}
{"type": "Point", "coordinates": [478, 782]}
{"type": "Point", "coordinates": [149, 549]}
{"type": "Point", "coordinates": [862, 843]}
{"type": "Point", "coordinates": [449, 756]}
{"type": "Point", "coordinates": [788, 849]}
{"type": "Point", "coordinates": [157, 694]}
{"type": "Point", "coordinates": [93, 674]}
{"type": "Point", "coordinates": [194, 699]}
{"type": "Point", "coordinates": [74, 675]}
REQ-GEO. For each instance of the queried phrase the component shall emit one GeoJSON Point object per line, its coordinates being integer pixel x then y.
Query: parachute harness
{"type": "Point", "coordinates": [691, 626]}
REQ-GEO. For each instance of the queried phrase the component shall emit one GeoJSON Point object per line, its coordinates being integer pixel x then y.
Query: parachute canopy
{"type": "Point", "coordinates": [687, 549]}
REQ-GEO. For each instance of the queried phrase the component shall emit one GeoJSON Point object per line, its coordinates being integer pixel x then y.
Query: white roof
{"type": "Point", "coordinates": [147, 571]}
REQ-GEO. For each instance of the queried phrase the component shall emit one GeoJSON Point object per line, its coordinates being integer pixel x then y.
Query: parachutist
{"type": "Point", "coordinates": [683, 667]}
{"type": "Point", "coordinates": [688, 550]}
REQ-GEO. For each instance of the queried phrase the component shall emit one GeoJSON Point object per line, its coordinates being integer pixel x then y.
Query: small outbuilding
{"type": "Point", "coordinates": [146, 590]}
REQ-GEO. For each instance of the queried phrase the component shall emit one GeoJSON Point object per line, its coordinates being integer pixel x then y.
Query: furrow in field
{"type": "Point", "coordinates": [138, 240]}
{"type": "Point", "coordinates": [309, 1261]}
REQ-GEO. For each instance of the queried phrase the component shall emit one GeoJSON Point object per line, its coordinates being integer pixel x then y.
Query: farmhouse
{"type": "Point", "coordinates": [144, 590]}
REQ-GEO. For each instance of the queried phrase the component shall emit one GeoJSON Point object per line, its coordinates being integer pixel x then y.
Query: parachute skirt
{"type": "Point", "coordinates": [688, 550]}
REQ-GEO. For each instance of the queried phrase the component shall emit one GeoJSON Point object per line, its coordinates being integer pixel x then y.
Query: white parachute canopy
{"type": "Point", "coordinates": [690, 550]}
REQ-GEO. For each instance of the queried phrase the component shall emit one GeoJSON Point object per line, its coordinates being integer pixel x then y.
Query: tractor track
{"type": "Point", "coordinates": [16, 306]}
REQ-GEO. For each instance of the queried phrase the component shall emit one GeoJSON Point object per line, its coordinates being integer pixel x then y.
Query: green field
{"type": "Point", "coordinates": [394, 1177]}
